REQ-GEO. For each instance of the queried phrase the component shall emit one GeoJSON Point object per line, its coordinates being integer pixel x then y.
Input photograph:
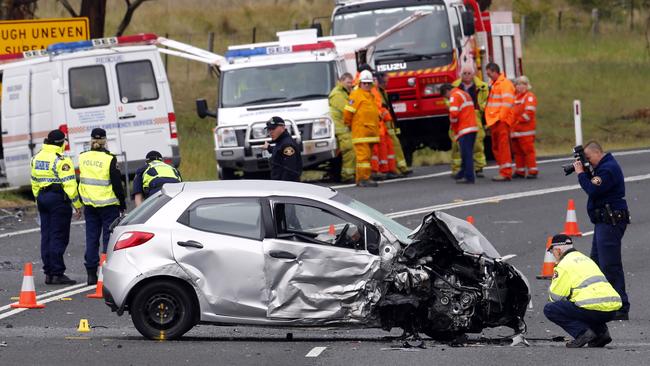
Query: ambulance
{"type": "Point", "coordinates": [118, 84]}
{"type": "Point", "coordinates": [290, 78]}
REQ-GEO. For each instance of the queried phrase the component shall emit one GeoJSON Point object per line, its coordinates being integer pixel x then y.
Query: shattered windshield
{"type": "Point", "coordinates": [469, 238]}
{"type": "Point", "coordinates": [277, 83]}
{"type": "Point", "coordinates": [397, 229]}
{"type": "Point", "coordinates": [427, 36]}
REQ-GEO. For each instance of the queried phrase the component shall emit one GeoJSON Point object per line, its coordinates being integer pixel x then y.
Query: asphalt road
{"type": "Point", "coordinates": [516, 217]}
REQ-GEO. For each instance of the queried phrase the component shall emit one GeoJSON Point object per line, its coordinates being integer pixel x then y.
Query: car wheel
{"type": "Point", "coordinates": [162, 310]}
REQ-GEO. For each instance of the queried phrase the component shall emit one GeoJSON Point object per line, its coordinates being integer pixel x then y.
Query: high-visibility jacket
{"type": "Point", "coordinates": [50, 166]}
{"type": "Point", "coordinates": [338, 99]}
{"type": "Point", "coordinates": [158, 169]}
{"type": "Point", "coordinates": [578, 279]}
{"type": "Point", "coordinates": [362, 115]}
{"type": "Point", "coordinates": [462, 117]}
{"type": "Point", "coordinates": [95, 185]}
{"type": "Point", "coordinates": [482, 94]}
{"type": "Point", "coordinates": [500, 102]}
{"type": "Point", "coordinates": [524, 115]}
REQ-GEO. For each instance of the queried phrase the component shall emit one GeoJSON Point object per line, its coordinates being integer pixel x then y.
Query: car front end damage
{"type": "Point", "coordinates": [449, 281]}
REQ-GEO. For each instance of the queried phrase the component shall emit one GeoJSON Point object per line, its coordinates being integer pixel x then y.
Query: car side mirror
{"type": "Point", "coordinates": [318, 27]}
{"type": "Point", "coordinates": [469, 28]}
{"type": "Point", "coordinates": [202, 109]}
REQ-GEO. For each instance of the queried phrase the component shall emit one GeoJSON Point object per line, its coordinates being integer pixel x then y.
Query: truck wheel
{"type": "Point", "coordinates": [163, 310]}
{"type": "Point", "coordinates": [226, 173]}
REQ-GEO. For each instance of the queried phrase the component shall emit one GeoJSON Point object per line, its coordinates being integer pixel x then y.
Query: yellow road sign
{"type": "Point", "coordinates": [36, 34]}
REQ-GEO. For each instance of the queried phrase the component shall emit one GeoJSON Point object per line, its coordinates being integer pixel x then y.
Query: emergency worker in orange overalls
{"type": "Point", "coordinates": [383, 153]}
{"type": "Point", "coordinates": [391, 128]}
{"type": "Point", "coordinates": [462, 119]}
{"type": "Point", "coordinates": [523, 130]}
{"type": "Point", "coordinates": [362, 115]}
{"type": "Point", "coordinates": [499, 118]}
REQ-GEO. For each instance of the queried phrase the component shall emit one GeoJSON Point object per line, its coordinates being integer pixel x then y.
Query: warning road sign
{"type": "Point", "coordinates": [36, 34]}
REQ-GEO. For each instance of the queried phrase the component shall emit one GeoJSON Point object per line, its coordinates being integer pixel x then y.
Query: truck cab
{"type": "Point", "coordinates": [291, 79]}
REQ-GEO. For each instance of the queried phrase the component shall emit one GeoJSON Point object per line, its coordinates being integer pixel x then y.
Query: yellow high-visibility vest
{"type": "Point", "coordinates": [95, 179]}
{"type": "Point", "coordinates": [50, 166]}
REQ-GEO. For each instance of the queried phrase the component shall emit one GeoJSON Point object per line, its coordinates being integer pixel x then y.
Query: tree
{"type": "Point", "coordinates": [17, 9]}
{"type": "Point", "coordinates": [95, 11]}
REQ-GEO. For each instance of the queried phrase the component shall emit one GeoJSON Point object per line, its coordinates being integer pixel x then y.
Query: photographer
{"type": "Point", "coordinates": [608, 212]}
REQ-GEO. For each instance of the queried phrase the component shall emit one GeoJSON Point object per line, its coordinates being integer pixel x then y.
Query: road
{"type": "Point", "coordinates": [516, 217]}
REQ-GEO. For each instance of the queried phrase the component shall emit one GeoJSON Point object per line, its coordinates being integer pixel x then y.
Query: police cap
{"type": "Point", "coordinates": [560, 239]}
{"type": "Point", "coordinates": [98, 133]}
{"type": "Point", "coordinates": [274, 122]}
{"type": "Point", "coordinates": [153, 155]}
{"type": "Point", "coordinates": [56, 137]}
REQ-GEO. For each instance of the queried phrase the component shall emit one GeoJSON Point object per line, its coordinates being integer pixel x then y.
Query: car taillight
{"type": "Point", "coordinates": [132, 239]}
{"type": "Point", "coordinates": [64, 128]}
{"type": "Point", "coordinates": [173, 133]}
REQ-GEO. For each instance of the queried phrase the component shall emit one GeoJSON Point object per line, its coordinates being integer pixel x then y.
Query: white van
{"type": "Point", "coordinates": [76, 87]}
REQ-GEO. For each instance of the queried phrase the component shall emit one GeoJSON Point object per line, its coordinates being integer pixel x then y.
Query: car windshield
{"type": "Point", "coordinates": [469, 238]}
{"type": "Point", "coordinates": [397, 229]}
{"type": "Point", "coordinates": [277, 83]}
{"type": "Point", "coordinates": [427, 36]}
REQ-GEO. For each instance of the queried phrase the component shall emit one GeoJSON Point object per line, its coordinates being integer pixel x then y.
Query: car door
{"type": "Point", "coordinates": [309, 274]}
{"type": "Point", "coordinates": [219, 242]}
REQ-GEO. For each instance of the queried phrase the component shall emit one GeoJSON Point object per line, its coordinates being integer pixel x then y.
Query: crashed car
{"type": "Point", "coordinates": [270, 253]}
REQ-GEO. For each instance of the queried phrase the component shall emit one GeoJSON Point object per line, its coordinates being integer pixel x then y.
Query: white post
{"type": "Point", "coordinates": [577, 118]}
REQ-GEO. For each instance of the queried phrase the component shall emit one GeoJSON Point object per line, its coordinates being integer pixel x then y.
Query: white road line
{"type": "Point", "coordinates": [50, 299]}
{"type": "Point", "coordinates": [496, 199]}
{"type": "Point", "coordinates": [491, 167]}
{"type": "Point", "coordinates": [315, 352]}
{"type": "Point", "coordinates": [46, 294]}
{"type": "Point", "coordinates": [588, 233]}
{"type": "Point", "coordinates": [33, 230]}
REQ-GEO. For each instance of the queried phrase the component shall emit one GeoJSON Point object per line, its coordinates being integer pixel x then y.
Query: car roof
{"type": "Point", "coordinates": [250, 188]}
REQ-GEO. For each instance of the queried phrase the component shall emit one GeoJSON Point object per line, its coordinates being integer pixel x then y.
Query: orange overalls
{"type": "Point", "coordinates": [383, 153]}
{"type": "Point", "coordinates": [523, 134]}
{"type": "Point", "coordinates": [461, 113]}
{"type": "Point", "coordinates": [362, 115]}
{"type": "Point", "coordinates": [499, 118]}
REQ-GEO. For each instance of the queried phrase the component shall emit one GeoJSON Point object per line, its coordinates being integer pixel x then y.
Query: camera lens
{"type": "Point", "coordinates": [568, 169]}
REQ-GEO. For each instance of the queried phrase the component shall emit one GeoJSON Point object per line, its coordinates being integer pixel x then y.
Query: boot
{"type": "Point", "coordinates": [601, 341]}
{"type": "Point", "coordinates": [92, 276]}
{"type": "Point", "coordinates": [48, 279]}
{"type": "Point", "coordinates": [62, 280]}
{"type": "Point", "coordinates": [367, 183]}
{"type": "Point", "coordinates": [584, 338]}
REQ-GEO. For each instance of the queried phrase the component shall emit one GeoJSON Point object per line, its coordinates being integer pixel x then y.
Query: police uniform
{"type": "Point", "coordinates": [581, 299]}
{"type": "Point", "coordinates": [286, 161]}
{"type": "Point", "coordinates": [100, 188]}
{"type": "Point", "coordinates": [150, 178]}
{"type": "Point", "coordinates": [54, 186]}
{"type": "Point", "coordinates": [608, 212]}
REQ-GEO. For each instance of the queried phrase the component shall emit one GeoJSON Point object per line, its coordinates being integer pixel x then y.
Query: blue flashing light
{"type": "Point", "coordinates": [69, 46]}
{"type": "Point", "coordinates": [257, 51]}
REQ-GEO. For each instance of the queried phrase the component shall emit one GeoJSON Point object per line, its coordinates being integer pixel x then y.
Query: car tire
{"type": "Point", "coordinates": [178, 313]}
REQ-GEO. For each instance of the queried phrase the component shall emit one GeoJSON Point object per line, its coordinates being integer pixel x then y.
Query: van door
{"type": "Point", "coordinates": [15, 126]}
{"type": "Point", "coordinates": [141, 107]}
{"type": "Point", "coordinates": [90, 104]}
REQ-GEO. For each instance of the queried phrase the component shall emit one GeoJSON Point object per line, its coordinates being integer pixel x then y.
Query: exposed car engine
{"type": "Point", "coordinates": [439, 289]}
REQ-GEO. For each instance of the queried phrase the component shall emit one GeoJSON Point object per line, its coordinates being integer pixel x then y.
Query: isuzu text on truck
{"type": "Point", "coordinates": [420, 58]}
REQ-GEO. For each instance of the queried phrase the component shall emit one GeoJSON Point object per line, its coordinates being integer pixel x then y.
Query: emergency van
{"type": "Point", "coordinates": [118, 84]}
{"type": "Point", "coordinates": [290, 78]}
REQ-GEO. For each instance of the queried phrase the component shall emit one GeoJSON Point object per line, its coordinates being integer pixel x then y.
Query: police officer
{"type": "Point", "coordinates": [286, 161]}
{"type": "Point", "coordinates": [582, 300]}
{"type": "Point", "coordinates": [150, 178]}
{"type": "Point", "coordinates": [100, 188]}
{"type": "Point", "coordinates": [54, 186]}
{"type": "Point", "coordinates": [608, 212]}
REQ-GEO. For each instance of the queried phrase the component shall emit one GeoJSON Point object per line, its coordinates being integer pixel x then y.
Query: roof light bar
{"type": "Point", "coordinates": [143, 38]}
{"type": "Point", "coordinates": [276, 50]}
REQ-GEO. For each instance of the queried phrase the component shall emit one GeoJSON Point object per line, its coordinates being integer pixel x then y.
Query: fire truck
{"type": "Point", "coordinates": [428, 53]}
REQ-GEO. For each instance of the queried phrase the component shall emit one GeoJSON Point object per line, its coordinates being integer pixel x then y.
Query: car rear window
{"type": "Point", "coordinates": [88, 87]}
{"type": "Point", "coordinates": [137, 81]}
{"type": "Point", "coordinates": [231, 216]}
{"type": "Point", "coordinates": [142, 213]}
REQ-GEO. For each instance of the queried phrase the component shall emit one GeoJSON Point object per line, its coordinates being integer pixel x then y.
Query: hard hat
{"type": "Point", "coordinates": [366, 77]}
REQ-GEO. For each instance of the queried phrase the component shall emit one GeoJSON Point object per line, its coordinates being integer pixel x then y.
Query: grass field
{"type": "Point", "coordinates": [609, 74]}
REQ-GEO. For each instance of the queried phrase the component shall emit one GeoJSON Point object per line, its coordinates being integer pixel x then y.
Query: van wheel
{"type": "Point", "coordinates": [163, 310]}
{"type": "Point", "coordinates": [226, 173]}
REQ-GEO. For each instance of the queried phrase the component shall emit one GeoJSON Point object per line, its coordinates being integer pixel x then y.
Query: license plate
{"type": "Point", "coordinates": [399, 107]}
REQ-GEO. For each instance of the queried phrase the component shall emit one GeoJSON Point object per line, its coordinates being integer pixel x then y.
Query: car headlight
{"type": "Point", "coordinates": [259, 132]}
{"type": "Point", "coordinates": [431, 89]}
{"type": "Point", "coordinates": [321, 128]}
{"type": "Point", "coordinates": [226, 137]}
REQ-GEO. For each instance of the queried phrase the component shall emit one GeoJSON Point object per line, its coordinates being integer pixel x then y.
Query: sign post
{"type": "Point", "coordinates": [577, 119]}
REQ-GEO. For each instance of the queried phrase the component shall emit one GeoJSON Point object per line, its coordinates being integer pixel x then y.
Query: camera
{"type": "Point", "coordinates": [579, 155]}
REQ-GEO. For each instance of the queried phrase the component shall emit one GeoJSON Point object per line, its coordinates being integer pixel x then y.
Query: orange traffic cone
{"type": "Point", "coordinates": [571, 223]}
{"type": "Point", "coordinates": [27, 298]}
{"type": "Point", "coordinates": [470, 219]}
{"type": "Point", "coordinates": [549, 263]}
{"type": "Point", "coordinates": [332, 230]}
{"type": "Point", "coordinates": [99, 290]}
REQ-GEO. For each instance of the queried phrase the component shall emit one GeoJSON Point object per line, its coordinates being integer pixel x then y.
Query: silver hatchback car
{"type": "Point", "coordinates": [271, 253]}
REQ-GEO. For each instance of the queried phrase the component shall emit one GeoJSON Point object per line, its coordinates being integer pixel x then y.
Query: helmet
{"type": "Point", "coordinates": [366, 77]}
